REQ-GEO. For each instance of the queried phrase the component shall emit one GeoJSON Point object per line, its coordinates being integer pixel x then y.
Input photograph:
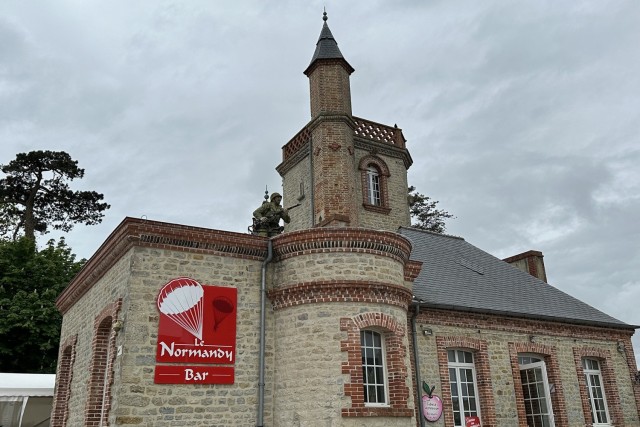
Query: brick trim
{"type": "Point", "coordinates": [608, 379]}
{"type": "Point", "coordinates": [341, 240]}
{"type": "Point", "coordinates": [522, 325]}
{"type": "Point", "coordinates": [153, 234]}
{"type": "Point", "coordinates": [550, 356]}
{"type": "Point", "coordinates": [101, 368]}
{"type": "Point", "coordinates": [340, 291]}
{"type": "Point", "coordinates": [64, 376]}
{"type": "Point", "coordinates": [385, 149]}
{"type": "Point", "coordinates": [394, 334]}
{"type": "Point", "coordinates": [412, 270]}
{"type": "Point", "coordinates": [483, 377]}
{"type": "Point", "coordinates": [630, 360]}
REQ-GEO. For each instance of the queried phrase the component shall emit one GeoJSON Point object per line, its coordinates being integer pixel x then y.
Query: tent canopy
{"type": "Point", "coordinates": [27, 384]}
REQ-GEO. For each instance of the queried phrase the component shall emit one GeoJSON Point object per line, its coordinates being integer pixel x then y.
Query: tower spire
{"type": "Point", "coordinates": [327, 48]}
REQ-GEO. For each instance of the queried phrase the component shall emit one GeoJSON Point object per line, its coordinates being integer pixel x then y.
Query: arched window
{"type": "Point", "coordinates": [373, 187]}
{"type": "Point", "coordinates": [463, 383]}
{"type": "Point", "coordinates": [96, 413]}
{"type": "Point", "coordinates": [101, 369]}
{"type": "Point", "coordinates": [377, 374]}
{"type": "Point", "coordinates": [375, 173]}
{"type": "Point", "coordinates": [374, 369]}
{"type": "Point", "coordinates": [595, 390]}
{"type": "Point", "coordinates": [535, 390]}
{"type": "Point", "coordinates": [63, 383]}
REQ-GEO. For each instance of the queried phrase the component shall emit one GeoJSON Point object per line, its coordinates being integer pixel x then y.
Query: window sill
{"type": "Point", "coordinates": [379, 209]}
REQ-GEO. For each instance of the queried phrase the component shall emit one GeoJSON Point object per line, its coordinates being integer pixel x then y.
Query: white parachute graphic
{"type": "Point", "coordinates": [181, 300]}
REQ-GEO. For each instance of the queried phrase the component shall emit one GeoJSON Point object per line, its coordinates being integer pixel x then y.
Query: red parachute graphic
{"type": "Point", "coordinates": [181, 301]}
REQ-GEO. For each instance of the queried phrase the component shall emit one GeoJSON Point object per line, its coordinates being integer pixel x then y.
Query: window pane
{"type": "Point", "coordinates": [372, 394]}
{"type": "Point", "coordinates": [368, 338]}
{"type": "Point", "coordinates": [451, 355]}
{"type": "Point", "coordinates": [377, 354]}
{"type": "Point", "coordinates": [377, 340]}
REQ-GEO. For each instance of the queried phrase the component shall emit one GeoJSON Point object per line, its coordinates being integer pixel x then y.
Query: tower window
{"type": "Point", "coordinates": [373, 368]}
{"type": "Point", "coordinates": [373, 186]}
{"type": "Point", "coordinates": [375, 175]}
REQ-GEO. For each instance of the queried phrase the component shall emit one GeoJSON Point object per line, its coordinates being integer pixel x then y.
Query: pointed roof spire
{"type": "Point", "coordinates": [327, 48]}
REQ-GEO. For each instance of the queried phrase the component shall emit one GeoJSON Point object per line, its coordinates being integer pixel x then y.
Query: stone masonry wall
{"type": "Point", "coordinates": [79, 320]}
{"type": "Point", "coordinates": [309, 382]}
{"type": "Point", "coordinates": [140, 401]}
{"type": "Point", "coordinates": [292, 180]}
{"type": "Point", "coordinates": [499, 334]}
{"type": "Point", "coordinates": [322, 282]}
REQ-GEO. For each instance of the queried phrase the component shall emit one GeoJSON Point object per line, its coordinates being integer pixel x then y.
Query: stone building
{"type": "Point", "coordinates": [339, 320]}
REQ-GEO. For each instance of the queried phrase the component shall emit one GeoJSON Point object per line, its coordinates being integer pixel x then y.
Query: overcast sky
{"type": "Point", "coordinates": [523, 118]}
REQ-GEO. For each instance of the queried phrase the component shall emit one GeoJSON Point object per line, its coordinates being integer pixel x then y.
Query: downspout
{"type": "Point", "coordinates": [416, 361]}
{"type": "Point", "coordinates": [313, 207]}
{"type": "Point", "coordinates": [263, 299]}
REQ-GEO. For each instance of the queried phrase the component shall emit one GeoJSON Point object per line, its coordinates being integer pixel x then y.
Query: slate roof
{"type": "Point", "coordinates": [459, 276]}
{"type": "Point", "coordinates": [327, 48]}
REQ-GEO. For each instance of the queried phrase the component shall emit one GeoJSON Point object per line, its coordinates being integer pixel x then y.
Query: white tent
{"type": "Point", "coordinates": [26, 399]}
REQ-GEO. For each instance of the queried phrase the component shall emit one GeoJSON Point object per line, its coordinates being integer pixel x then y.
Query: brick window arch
{"type": "Point", "coordinates": [393, 334]}
{"type": "Point", "coordinates": [67, 357]}
{"type": "Point", "coordinates": [550, 357]}
{"type": "Point", "coordinates": [374, 174]}
{"type": "Point", "coordinates": [482, 373]}
{"type": "Point", "coordinates": [101, 368]}
{"type": "Point", "coordinates": [608, 383]}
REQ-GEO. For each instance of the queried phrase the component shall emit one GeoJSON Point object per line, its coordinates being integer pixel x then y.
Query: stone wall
{"type": "Point", "coordinates": [140, 401]}
{"type": "Point", "coordinates": [299, 175]}
{"type": "Point", "coordinates": [78, 322]}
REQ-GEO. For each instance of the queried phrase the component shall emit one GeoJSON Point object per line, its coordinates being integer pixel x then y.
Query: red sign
{"type": "Point", "coordinates": [472, 422]}
{"type": "Point", "coordinates": [194, 374]}
{"type": "Point", "coordinates": [197, 325]}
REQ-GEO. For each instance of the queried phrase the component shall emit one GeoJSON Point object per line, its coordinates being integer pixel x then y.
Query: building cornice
{"type": "Point", "coordinates": [134, 232]}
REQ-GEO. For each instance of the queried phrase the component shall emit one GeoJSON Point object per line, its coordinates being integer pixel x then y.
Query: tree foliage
{"type": "Point", "coordinates": [35, 195]}
{"type": "Point", "coordinates": [425, 214]}
{"type": "Point", "coordinates": [30, 282]}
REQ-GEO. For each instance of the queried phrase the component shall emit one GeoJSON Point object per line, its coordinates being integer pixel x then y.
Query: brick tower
{"type": "Point", "coordinates": [341, 273]}
{"type": "Point", "coordinates": [344, 170]}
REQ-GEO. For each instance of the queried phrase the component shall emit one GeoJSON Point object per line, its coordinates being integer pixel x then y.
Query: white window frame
{"type": "Point", "coordinates": [534, 361]}
{"type": "Point", "coordinates": [378, 368]}
{"type": "Point", "coordinates": [458, 366]}
{"type": "Point", "coordinates": [374, 190]}
{"type": "Point", "coordinates": [592, 375]}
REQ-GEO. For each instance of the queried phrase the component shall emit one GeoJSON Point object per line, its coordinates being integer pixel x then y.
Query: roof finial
{"type": "Point", "coordinates": [324, 15]}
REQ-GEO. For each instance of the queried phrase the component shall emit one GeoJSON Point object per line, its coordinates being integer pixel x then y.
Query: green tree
{"type": "Point", "coordinates": [30, 282]}
{"type": "Point", "coordinates": [424, 212]}
{"type": "Point", "coordinates": [35, 195]}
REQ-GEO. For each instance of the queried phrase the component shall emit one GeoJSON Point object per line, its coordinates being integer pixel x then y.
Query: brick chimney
{"type": "Point", "coordinates": [531, 262]}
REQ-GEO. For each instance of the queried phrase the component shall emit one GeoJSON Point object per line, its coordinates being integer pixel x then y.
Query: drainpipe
{"type": "Point", "coordinates": [263, 299]}
{"type": "Point", "coordinates": [416, 360]}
